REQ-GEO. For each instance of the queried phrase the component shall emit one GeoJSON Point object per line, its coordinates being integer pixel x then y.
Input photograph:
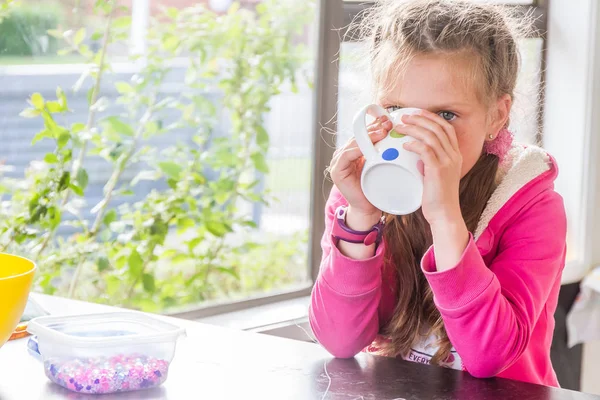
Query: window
{"type": "Point", "coordinates": [195, 263]}
{"type": "Point", "coordinates": [193, 188]}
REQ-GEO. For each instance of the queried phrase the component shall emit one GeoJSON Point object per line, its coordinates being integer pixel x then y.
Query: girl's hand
{"type": "Point", "coordinates": [437, 146]}
{"type": "Point", "coordinates": [346, 167]}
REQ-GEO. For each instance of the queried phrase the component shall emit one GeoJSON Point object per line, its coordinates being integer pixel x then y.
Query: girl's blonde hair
{"type": "Point", "coordinates": [395, 32]}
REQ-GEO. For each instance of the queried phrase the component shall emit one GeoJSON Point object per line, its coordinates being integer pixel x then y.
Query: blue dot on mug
{"type": "Point", "coordinates": [390, 154]}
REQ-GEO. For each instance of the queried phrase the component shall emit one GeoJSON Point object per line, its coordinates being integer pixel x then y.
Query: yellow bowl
{"type": "Point", "coordinates": [16, 276]}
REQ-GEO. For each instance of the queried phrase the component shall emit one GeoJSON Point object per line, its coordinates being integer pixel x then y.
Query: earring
{"type": "Point", "coordinates": [491, 137]}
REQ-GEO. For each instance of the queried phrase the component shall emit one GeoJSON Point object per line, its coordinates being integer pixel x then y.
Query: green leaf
{"type": "Point", "coordinates": [172, 12]}
{"type": "Point", "coordinates": [259, 162]}
{"type": "Point", "coordinates": [119, 126]}
{"type": "Point", "coordinates": [30, 113]}
{"type": "Point", "coordinates": [230, 271]}
{"type": "Point", "coordinates": [172, 183]}
{"type": "Point", "coordinates": [262, 137]}
{"type": "Point", "coordinates": [217, 228]}
{"type": "Point", "coordinates": [149, 283]}
{"type": "Point", "coordinates": [65, 181]}
{"type": "Point", "coordinates": [159, 228]}
{"type": "Point", "coordinates": [170, 42]}
{"type": "Point", "coordinates": [77, 127]}
{"type": "Point", "coordinates": [85, 51]}
{"type": "Point", "coordinates": [184, 224]}
{"type": "Point", "coordinates": [50, 124]}
{"type": "Point", "coordinates": [51, 158]}
{"type": "Point", "coordinates": [103, 264]}
{"type": "Point", "coordinates": [82, 178]}
{"type": "Point", "coordinates": [62, 98]}
{"type": "Point", "coordinates": [54, 217]}
{"type": "Point", "coordinates": [77, 190]}
{"type": "Point", "coordinates": [171, 169]}
{"type": "Point", "coordinates": [67, 155]}
{"type": "Point", "coordinates": [110, 217]}
{"type": "Point", "coordinates": [54, 107]}
{"type": "Point", "coordinates": [41, 135]}
{"type": "Point", "coordinates": [261, 8]}
{"type": "Point", "coordinates": [135, 263]}
{"type": "Point", "coordinates": [79, 37]}
{"type": "Point", "coordinates": [63, 139]}
{"type": "Point", "coordinates": [113, 286]}
{"type": "Point", "coordinates": [192, 244]}
{"type": "Point", "coordinates": [179, 258]}
{"type": "Point", "coordinates": [222, 197]}
{"type": "Point", "coordinates": [96, 35]}
{"type": "Point", "coordinates": [124, 87]}
{"type": "Point", "coordinates": [37, 100]}
{"type": "Point", "coordinates": [122, 22]}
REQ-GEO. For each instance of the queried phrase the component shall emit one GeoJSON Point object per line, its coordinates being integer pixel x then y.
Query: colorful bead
{"type": "Point", "coordinates": [107, 374]}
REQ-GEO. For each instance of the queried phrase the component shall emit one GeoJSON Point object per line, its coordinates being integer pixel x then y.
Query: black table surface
{"type": "Point", "coordinates": [218, 363]}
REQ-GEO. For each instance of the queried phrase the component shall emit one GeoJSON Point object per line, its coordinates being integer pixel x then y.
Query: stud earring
{"type": "Point", "coordinates": [491, 136]}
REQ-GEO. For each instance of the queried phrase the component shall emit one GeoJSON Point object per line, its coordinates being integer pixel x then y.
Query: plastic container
{"type": "Point", "coordinates": [106, 353]}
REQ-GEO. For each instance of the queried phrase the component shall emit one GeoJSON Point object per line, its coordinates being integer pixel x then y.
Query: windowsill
{"type": "Point", "coordinates": [293, 311]}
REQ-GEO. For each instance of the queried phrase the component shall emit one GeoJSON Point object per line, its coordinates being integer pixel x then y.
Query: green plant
{"type": "Point", "coordinates": [5, 8]}
{"type": "Point", "coordinates": [186, 243]}
{"type": "Point", "coordinates": [23, 30]}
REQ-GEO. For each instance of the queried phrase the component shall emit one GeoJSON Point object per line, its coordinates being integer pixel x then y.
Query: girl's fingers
{"type": "Point", "coordinates": [375, 137]}
{"type": "Point", "coordinates": [434, 127]}
{"type": "Point", "coordinates": [427, 137]}
{"type": "Point", "coordinates": [380, 123]}
{"type": "Point", "coordinates": [424, 151]}
{"type": "Point", "coordinates": [446, 126]}
{"type": "Point", "coordinates": [347, 159]}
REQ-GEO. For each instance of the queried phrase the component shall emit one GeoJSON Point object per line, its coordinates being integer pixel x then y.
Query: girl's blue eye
{"type": "Point", "coordinates": [447, 115]}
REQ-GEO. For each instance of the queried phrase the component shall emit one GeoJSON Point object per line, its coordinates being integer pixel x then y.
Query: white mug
{"type": "Point", "coordinates": [390, 179]}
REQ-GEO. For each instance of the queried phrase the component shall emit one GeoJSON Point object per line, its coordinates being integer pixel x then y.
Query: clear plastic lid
{"type": "Point", "coordinates": [104, 329]}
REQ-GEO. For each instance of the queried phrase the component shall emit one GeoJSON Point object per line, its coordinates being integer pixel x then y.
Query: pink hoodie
{"type": "Point", "coordinates": [497, 303]}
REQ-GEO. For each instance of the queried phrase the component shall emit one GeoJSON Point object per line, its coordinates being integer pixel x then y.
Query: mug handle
{"type": "Point", "coordinates": [360, 129]}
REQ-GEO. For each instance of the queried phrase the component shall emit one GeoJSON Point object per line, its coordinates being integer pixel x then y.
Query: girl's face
{"type": "Point", "coordinates": [440, 84]}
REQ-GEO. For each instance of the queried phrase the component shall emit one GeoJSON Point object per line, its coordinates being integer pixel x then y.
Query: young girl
{"type": "Point", "coordinates": [471, 280]}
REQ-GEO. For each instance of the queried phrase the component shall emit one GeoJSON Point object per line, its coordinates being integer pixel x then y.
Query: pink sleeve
{"type": "Point", "coordinates": [346, 296]}
{"type": "Point", "coordinates": [489, 313]}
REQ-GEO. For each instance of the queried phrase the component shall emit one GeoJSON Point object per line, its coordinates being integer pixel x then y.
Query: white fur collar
{"type": "Point", "coordinates": [523, 165]}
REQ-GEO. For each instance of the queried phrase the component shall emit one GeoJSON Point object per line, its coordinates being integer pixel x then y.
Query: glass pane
{"type": "Point", "coordinates": [173, 167]}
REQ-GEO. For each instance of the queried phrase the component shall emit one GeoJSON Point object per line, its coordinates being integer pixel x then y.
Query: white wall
{"type": "Point", "coordinates": [568, 133]}
{"type": "Point", "coordinates": [572, 127]}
